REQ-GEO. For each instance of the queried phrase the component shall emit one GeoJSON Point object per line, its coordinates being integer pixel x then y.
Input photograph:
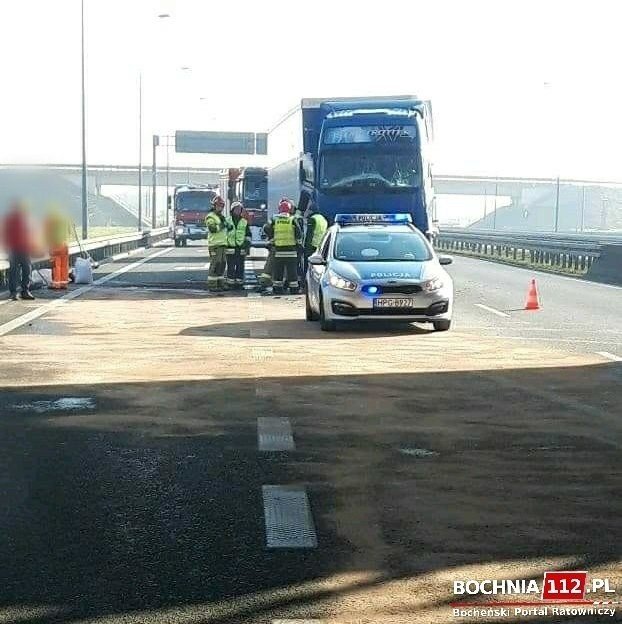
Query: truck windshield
{"type": "Point", "coordinates": [255, 189]}
{"type": "Point", "coordinates": [348, 169]}
{"type": "Point", "coordinates": [381, 247]}
{"type": "Point", "coordinates": [194, 201]}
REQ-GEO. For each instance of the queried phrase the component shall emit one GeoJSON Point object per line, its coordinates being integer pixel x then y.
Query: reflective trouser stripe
{"type": "Point", "coordinates": [285, 254]}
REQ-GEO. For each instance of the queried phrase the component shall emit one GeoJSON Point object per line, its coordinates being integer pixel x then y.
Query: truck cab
{"type": "Point", "coordinates": [373, 154]}
{"type": "Point", "coordinates": [355, 154]}
{"type": "Point", "coordinates": [190, 205]}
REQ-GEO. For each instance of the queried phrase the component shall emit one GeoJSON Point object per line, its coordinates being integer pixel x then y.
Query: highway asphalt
{"type": "Point", "coordinates": [167, 455]}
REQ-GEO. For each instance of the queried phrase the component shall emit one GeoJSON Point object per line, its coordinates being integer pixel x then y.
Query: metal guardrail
{"type": "Point", "coordinates": [565, 253]}
{"type": "Point", "coordinates": [608, 237]}
{"type": "Point", "coordinates": [102, 247]}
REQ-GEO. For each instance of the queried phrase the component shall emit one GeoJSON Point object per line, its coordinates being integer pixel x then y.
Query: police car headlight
{"type": "Point", "coordinates": [432, 285]}
{"type": "Point", "coordinates": [334, 279]}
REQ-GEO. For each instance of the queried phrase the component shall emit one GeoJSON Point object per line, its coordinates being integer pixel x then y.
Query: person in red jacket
{"type": "Point", "coordinates": [17, 237]}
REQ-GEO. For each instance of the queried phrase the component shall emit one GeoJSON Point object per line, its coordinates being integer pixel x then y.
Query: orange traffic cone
{"type": "Point", "coordinates": [533, 301]}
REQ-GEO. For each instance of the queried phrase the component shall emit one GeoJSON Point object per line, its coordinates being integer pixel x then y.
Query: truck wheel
{"type": "Point", "coordinates": [310, 314]}
{"type": "Point", "coordinates": [441, 325]}
{"type": "Point", "coordinates": [325, 324]}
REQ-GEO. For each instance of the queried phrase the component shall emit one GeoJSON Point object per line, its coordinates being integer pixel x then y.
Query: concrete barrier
{"type": "Point", "coordinates": [608, 269]}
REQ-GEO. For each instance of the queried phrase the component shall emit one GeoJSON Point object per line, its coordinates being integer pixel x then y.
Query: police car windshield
{"type": "Point", "coordinates": [381, 246]}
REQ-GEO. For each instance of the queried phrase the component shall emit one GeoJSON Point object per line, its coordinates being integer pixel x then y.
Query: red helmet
{"type": "Point", "coordinates": [285, 206]}
{"type": "Point", "coordinates": [218, 201]}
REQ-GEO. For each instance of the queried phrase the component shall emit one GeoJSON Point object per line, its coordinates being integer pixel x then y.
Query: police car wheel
{"type": "Point", "coordinates": [441, 325]}
{"type": "Point", "coordinates": [310, 314]}
{"type": "Point", "coordinates": [325, 324]}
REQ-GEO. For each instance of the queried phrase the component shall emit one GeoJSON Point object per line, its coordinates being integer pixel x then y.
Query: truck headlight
{"type": "Point", "coordinates": [334, 279]}
{"type": "Point", "coordinates": [436, 283]}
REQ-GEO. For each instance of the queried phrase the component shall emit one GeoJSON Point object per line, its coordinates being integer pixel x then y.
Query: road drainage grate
{"type": "Point", "coordinates": [274, 434]}
{"type": "Point", "coordinates": [418, 452]}
{"type": "Point", "coordinates": [64, 404]}
{"type": "Point", "coordinates": [287, 513]}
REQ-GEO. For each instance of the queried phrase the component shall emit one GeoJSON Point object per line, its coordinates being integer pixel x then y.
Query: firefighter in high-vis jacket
{"type": "Point", "coordinates": [286, 235]}
{"type": "Point", "coordinates": [216, 225]}
{"type": "Point", "coordinates": [57, 232]}
{"type": "Point", "coordinates": [238, 243]}
{"type": "Point", "coordinates": [300, 223]}
{"type": "Point", "coordinates": [314, 233]}
{"type": "Point", "coordinates": [265, 277]}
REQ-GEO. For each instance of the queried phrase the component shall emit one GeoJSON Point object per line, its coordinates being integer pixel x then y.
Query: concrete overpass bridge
{"type": "Point", "coordinates": [445, 184]}
{"type": "Point", "coordinates": [530, 197]}
{"type": "Point", "coordinates": [124, 175]}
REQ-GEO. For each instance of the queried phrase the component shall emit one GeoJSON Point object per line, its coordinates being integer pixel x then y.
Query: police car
{"type": "Point", "coordinates": [377, 267]}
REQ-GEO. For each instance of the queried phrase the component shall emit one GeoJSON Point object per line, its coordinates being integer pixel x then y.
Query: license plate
{"type": "Point", "coordinates": [402, 302]}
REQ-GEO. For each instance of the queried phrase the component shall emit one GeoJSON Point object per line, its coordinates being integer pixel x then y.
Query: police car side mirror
{"type": "Point", "coordinates": [445, 259]}
{"type": "Point", "coordinates": [317, 259]}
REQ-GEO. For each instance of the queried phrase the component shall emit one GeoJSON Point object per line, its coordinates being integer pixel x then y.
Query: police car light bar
{"type": "Point", "coordinates": [386, 218]}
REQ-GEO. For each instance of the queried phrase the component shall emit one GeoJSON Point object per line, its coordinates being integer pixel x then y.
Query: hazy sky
{"type": "Point", "coordinates": [518, 87]}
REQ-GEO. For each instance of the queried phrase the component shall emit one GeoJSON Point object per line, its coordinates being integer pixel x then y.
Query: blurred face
{"type": "Point", "coordinates": [18, 206]}
{"type": "Point", "coordinates": [236, 211]}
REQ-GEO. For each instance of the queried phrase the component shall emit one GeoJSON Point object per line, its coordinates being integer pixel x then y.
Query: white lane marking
{"type": "Point", "coordinates": [289, 523]}
{"type": "Point", "coordinates": [40, 311]}
{"type": "Point", "coordinates": [609, 356]}
{"type": "Point", "coordinates": [189, 268]}
{"type": "Point", "coordinates": [541, 339]}
{"type": "Point", "coordinates": [129, 267]}
{"type": "Point", "coordinates": [275, 434]}
{"type": "Point", "coordinates": [492, 310]}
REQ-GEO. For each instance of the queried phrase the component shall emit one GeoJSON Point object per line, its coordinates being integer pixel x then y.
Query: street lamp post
{"type": "Point", "coordinates": [140, 152]}
{"type": "Point", "coordinates": [85, 210]}
{"type": "Point", "coordinates": [494, 214]}
{"type": "Point", "coordinates": [154, 181]}
{"type": "Point", "coordinates": [557, 205]}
